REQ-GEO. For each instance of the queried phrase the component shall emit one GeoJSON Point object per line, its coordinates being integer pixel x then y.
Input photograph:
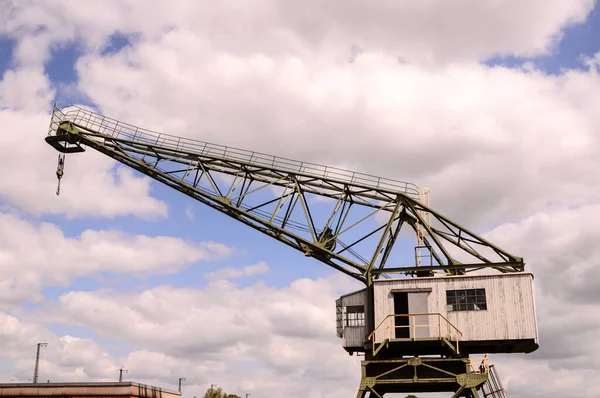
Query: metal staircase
{"type": "Point", "coordinates": [492, 388]}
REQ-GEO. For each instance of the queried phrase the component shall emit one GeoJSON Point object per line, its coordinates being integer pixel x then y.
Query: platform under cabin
{"type": "Point", "coordinates": [465, 313]}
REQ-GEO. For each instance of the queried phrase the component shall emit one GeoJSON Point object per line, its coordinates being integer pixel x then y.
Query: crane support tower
{"type": "Point", "coordinates": [435, 293]}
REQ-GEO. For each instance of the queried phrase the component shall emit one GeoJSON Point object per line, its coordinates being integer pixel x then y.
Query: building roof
{"type": "Point", "coordinates": [85, 389]}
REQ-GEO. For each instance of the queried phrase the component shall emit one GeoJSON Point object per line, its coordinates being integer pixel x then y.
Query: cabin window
{"type": "Point", "coordinates": [466, 300]}
{"type": "Point", "coordinates": [355, 315]}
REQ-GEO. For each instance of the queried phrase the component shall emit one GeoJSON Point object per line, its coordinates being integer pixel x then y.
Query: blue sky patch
{"type": "Point", "coordinates": [83, 284]}
{"type": "Point", "coordinates": [112, 347]}
{"type": "Point", "coordinates": [62, 73]}
{"type": "Point", "coordinates": [116, 42]}
{"type": "Point", "coordinates": [61, 67]}
{"type": "Point", "coordinates": [7, 46]}
{"type": "Point", "coordinates": [578, 42]}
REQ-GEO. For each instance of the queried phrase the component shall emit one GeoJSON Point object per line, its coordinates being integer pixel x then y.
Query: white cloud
{"type": "Point", "coordinates": [237, 338]}
{"type": "Point", "coordinates": [501, 147]}
{"type": "Point", "coordinates": [34, 255]}
{"type": "Point", "coordinates": [233, 273]}
{"type": "Point", "coordinates": [70, 358]}
{"type": "Point", "coordinates": [433, 31]}
{"type": "Point", "coordinates": [64, 358]}
{"type": "Point", "coordinates": [267, 341]}
{"type": "Point", "coordinates": [91, 185]}
{"type": "Point", "coordinates": [25, 88]}
{"type": "Point", "coordinates": [564, 256]}
{"type": "Point", "coordinates": [427, 32]}
{"type": "Point", "coordinates": [560, 248]}
{"type": "Point", "coordinates": [522, 378]}
{"type": "Point", "coordinates": [481, 138]}
{"type": "Point", "coordinates": [164, 315]}
{"type": "Point", "coordinates": [286, 90]}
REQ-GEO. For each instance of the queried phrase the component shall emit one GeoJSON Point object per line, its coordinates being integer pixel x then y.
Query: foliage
{"type": "Point", "coordinates": [217, 392]}
{"type": "Point", "coordinates": [411, 396]}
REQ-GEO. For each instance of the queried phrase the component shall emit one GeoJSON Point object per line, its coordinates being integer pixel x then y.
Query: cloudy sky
{"type": "Point", "coordinates": [493, 105]}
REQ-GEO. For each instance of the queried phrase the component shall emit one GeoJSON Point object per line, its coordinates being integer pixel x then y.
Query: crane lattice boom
{"type": "Point", "coordinates": [347, 220]}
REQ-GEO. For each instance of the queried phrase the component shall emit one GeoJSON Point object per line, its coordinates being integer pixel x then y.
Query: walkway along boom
{"type": "Point", "coordinates": [353, 227]}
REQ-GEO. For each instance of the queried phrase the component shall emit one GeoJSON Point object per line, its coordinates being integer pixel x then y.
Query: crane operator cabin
{"type": "Point", "coordinates": [482, 313]}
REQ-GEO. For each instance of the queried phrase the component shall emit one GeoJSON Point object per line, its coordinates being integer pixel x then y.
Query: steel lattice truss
{"type": "Point", "coordinates": [349, 221]}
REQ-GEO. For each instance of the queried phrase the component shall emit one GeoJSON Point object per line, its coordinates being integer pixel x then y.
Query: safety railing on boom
{"type": "Point", "coordinates": [430, 326]}
{"type": "Point", "coordinates": [97, 123]}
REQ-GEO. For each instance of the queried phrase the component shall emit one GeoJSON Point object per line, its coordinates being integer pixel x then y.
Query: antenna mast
{"type": "Point", "coordinates": [121, 370]}
{"type": "Point", "coordinates": [37, 361]}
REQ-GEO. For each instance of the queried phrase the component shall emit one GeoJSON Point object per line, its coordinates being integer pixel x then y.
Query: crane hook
{"type": "Point", "coordinates": [60, 170]}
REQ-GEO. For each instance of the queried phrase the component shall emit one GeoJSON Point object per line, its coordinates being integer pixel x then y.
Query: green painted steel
{"type": "Point", "coordinates": [355, 236]}
{"type": "Point", "coordinates": [347, 220]}
{"type": "Point", "coordinates": [419, 375]}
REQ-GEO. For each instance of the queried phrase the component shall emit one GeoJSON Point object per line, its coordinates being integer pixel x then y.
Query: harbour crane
{"type": "Point", "coordinates": [347, 220]}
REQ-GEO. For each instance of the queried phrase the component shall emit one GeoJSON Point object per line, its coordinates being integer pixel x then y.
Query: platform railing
{"type": "Point", "coordinates": [436, 327]}
{"type": "Point", "coordinates": [101, 124]}
{"type": "Point", "coordinates": [479, 365]}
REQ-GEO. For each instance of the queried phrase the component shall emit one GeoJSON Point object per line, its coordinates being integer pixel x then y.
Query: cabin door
{"type": "Point", "coordinates": [411, 326]}
{"type": "Point", "coordinates": [417, 304]}
{"type": "Point", "coordinates": [402, 331]}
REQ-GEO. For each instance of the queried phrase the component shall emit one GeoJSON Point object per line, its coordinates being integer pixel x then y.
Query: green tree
{"type": "Point", "coordinates": [411, 396]}
{"type": "Point", "coordinates": [217, 392]}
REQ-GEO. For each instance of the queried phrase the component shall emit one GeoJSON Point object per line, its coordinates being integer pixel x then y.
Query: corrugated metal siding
{"type": "Point", "coordinates": [356, 298]}
{"type": "Point", "coordinates": [510, 310]}
{"type": "Point", "coordinates": [355, 336]}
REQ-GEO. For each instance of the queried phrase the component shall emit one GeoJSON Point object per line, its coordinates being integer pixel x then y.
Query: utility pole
{"type": "Point", "coordinates": [37, 361]}
{"type": "Point", "coordinates": [121, 370]}
{"type": "Point", "coordinates": [180, 380]}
